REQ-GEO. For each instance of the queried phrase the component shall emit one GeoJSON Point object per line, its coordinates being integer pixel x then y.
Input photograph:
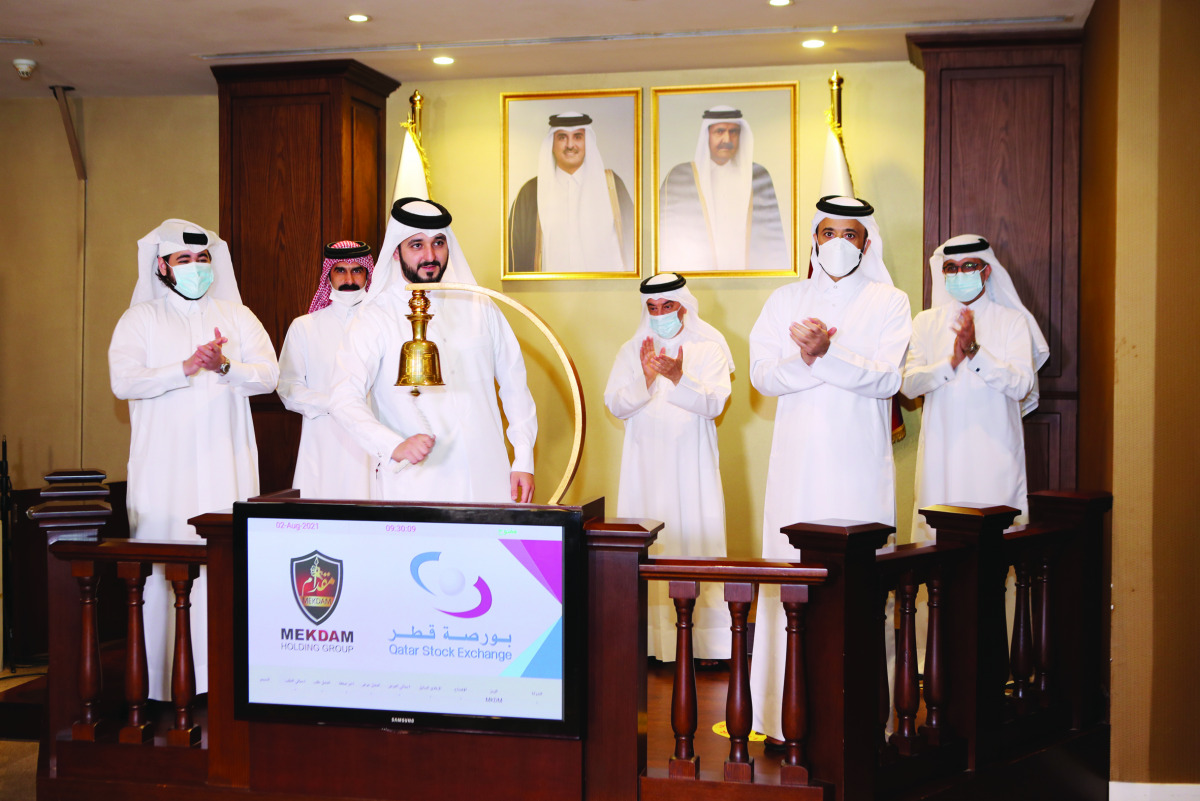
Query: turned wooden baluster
{"type": "Point", "coordinates": [792, 770]}
{"type": "Point", "coordinates": [934, 730]}
{"type": "Point", "coordinates": [137, 729]}
{"type": "Point", "coordinates": [885, 697]}
{"type": "Point", "coordinates": [183, 670]}
{"type": "Point", "coordinates": [90, 678]}
{"type": "Point", "coordinates": [1021, 655]}
{"type": "Point", "coordinates": [685, 764]}
{"type": "Point", "coordinates": [739, 709]}
{"type": "Point", "coordinates": [907, 699]}
{"type": "Point", "coordinates": [1042, 651]}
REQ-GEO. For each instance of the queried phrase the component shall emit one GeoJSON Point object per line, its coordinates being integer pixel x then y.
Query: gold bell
{"type": "Point", "coordinates": [420, 365]}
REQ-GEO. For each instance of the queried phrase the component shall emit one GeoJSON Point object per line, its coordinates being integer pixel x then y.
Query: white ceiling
{"type": "Point", "coordinates": [150, 47]}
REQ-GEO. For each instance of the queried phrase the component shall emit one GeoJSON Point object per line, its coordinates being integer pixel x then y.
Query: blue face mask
{"type": "Point", "coordinates": [666, 326]}
{"type": "Point", "coordinates": [965, 287]}
{"type": "Point", "coordinates": [193, 280]}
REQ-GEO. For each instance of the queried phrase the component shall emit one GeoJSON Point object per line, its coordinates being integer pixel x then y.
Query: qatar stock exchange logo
{"type": "Point", "coordinates": [317, 585]}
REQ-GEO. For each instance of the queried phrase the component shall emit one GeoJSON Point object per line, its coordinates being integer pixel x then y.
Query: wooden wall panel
{"type": "Point", "coordinates": [1002, 149]}
{"type": "Point", "coordinates": [302, 155]}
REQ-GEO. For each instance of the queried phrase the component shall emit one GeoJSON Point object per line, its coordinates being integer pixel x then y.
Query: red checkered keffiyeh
{"type": "Point", "coordinates": [321, 298]}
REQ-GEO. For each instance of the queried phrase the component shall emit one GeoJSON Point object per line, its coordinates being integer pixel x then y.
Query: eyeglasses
{"type": "Point", "coordinates": [966, 267]}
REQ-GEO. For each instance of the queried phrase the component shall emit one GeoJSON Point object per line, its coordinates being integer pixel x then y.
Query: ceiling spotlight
{"type": "Point", "coordinates": [780, 2]}
{"type": "Point", "coordinates": [358, 18]}
{"type": "Point", "coordinates": [812, 43]}
{"type": "Point", "coordinates": [24, 67]}
{"type": "Point", "coordinates": [443, 60]}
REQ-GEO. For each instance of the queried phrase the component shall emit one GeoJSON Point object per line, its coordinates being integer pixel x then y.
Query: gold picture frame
{"type": "Point", "coordinates": [530, 250]}
{"type": "Point", "coordinates": [700, 143]}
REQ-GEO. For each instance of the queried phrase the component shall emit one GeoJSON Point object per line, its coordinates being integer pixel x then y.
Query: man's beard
{"type": "Point", "coordinates": [413, 275]}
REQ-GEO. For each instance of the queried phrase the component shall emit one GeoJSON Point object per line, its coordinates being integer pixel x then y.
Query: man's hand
{"type": "Point", "coordinates": [811, 336]}
{"type": "Point", "coordinates": [647, 353]}
{"type": "Point", "coordinates": [668, 368]}
{"type": "Point", "coordinates": [520, 486]}
{"type": "Point", "coordinates": [964, 336]}
{"type": "Point", "coordinates": [208, 356]}
{"type": "Point", "coordinates": [414, 449]}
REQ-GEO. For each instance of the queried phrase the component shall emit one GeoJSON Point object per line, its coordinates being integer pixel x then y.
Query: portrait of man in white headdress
{"type": "Point", "coordinates": [570, 164]}
{"type": "Point", "coordinates": [719, 211]}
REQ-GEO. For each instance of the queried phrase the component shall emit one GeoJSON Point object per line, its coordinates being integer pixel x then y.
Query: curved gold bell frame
{"type": "Point", "coordinates": [420, 366]}
{"type": "Point", "coordinates": [419, 362]}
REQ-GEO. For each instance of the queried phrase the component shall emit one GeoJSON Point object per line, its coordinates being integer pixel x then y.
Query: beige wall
{"type": "Point", "coordinates": [1175, 737]}
{"type": "Point", "coordinates": [40, 291]}
{"type": "Point", "coordinates": [146, 159]}
{"type": "Point", "coordinates": [883, 116]}
{"type": "Point", "coordinates": [1138, 431]}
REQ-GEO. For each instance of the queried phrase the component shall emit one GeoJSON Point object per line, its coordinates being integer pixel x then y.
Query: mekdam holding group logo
{"type": "Point", "coordinates": [317, 585]}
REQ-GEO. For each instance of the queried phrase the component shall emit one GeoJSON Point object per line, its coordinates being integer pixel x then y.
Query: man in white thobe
{"type": "Point", "coordinates": [830, 348]}
{"type": "Point", "coordinates": [669, 384]}
{"type": "Point", "coordinates": [447, 444]}
{"type": "Point", "coordinates": [329, 463]}
{"type": "Point", "coordinates": [719, 211]}
{"type": "Point", "coordinates": [574, 216]}
{"type": "Point", "coordinates": [187, 355]}
{"type": "Point", "coordinates": [974, 355]}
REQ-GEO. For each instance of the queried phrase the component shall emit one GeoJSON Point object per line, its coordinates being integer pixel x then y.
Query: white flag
{"type": "Point", "coordinates": [835, 177]}
{"type": "Point", "coordinates": [411, 172]}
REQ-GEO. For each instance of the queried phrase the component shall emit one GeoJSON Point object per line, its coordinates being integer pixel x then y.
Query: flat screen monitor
{"type": "Point", "coordinates": [410, 616]}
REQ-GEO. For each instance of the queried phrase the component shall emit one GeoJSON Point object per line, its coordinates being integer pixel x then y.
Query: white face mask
{"type": "Point", "coordinates": [347, 298]}
{"type": "Point", "coordinates": [838, 257]}
{"type": "Point", "coordinates": [666, 326]}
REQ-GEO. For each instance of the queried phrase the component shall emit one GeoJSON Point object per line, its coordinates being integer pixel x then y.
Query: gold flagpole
{"type": "Point", "coordinates": [414, 113]}
{"type": "Point", "coordinates": [835, 105]}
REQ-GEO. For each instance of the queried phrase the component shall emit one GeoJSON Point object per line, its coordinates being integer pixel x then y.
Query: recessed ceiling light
{"type": "Point", "coordinates": [812, 43]}
{"type": "Point", "coordinates": [780, 2]}
{"type": "Point", "coordinates": [443, 60]}
{"type": "Point", "coordinates": [358, 18]}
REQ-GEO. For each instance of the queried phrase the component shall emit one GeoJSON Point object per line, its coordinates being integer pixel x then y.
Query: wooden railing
{"type": "Point", "coordinates": [973, 716]}
{"type": "Point", "coordinates": [834, 704]}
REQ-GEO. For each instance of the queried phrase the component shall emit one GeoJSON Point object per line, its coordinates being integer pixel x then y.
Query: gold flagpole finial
{"type": "Point", "coordinates": [835, 98]}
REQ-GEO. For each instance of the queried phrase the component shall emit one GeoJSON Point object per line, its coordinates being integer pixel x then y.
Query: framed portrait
{"type": "Point", "coordinates": [725, 179]}
{"type": "Point", "coordinates": [572, 184]}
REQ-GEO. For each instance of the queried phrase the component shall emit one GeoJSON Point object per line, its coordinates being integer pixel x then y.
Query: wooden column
{"type": "Point", "coordinates": [1077, 594]}
{"type": "Point", "coordinates": [840, 641]}
{"type": "Point", "coordinates": [972, 600]}
{"type": "Point", "coordinates": [615, 746]}
{"type": "Point", "coordinates": [303, 162]}
{"type": "Point", "coordinates": [228, 739]}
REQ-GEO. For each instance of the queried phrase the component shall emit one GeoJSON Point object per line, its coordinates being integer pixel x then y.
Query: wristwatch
{"type": "Point", "coordinates": [224, 368]}
{"type": "Point", "coordinates": [971, 350]}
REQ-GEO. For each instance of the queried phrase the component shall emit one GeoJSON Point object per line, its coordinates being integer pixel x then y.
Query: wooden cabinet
{"type": "Point", "coordinates": [302, 164]}
{"type": "Point", "coordinates": [1002, 146]}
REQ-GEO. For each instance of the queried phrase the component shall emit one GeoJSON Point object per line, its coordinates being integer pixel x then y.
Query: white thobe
{"type": "Point", "coordinates": [192, 447]}
{"type": "Point", "coordinates": [670, 471]}
{"type": "Point", "coordinates": [329, 464]}
{"type": "Point", "coordinates": [831, 452]}
{"type": "Point", "coordinates": [972, 446]}
{"type": "Point", "coordinates": [469, 460]}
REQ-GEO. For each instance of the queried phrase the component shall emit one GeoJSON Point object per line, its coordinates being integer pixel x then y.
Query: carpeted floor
{"type": "Point", "coordinates": [18, 770]}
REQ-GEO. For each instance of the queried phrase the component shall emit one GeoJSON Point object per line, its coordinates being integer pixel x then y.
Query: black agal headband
{"type": "Point", "coordinates": [828, 205]}
{"type": "Point", "coordinates": [424, 221]}
{"type": "Point", "coordinates": [358, 250]}
{"type": "Point", "coordinates": [676, 282]}
{"type": "Point", "coordinates": [966, 247]}
{"type": "Point", "coordinates": [569, 120]}
{"type": "Point", "coordinates": [731, 114]}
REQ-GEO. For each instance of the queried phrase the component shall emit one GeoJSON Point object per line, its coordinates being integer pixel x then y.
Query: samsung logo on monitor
{"type": "Point", "coordinates": [404, 720]}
